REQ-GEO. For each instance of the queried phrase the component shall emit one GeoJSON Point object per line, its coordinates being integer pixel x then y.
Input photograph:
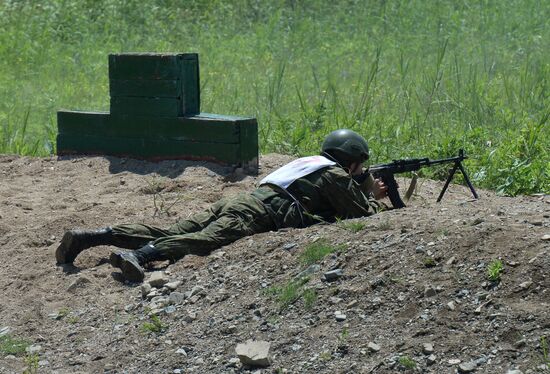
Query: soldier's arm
{"type": "Point", "coordinates": [346, 196]}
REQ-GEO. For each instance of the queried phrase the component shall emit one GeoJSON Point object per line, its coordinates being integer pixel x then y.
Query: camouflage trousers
{"type": "Point", "coordinates": [225, 221]}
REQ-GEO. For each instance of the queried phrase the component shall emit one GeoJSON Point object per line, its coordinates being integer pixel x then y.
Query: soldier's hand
{"type": "Point", "coordinates": [379, 189]}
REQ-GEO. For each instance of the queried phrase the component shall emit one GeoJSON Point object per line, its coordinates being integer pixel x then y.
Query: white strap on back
{"type": "Point", "coordinates": [284, 176]}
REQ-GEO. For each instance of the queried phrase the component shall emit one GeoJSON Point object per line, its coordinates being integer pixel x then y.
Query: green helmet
{"type": "Point", "coordinates": [346, 146]}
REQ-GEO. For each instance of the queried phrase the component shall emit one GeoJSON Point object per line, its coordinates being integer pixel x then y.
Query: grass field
{"type": "Point", "coordinates": [416, 78]}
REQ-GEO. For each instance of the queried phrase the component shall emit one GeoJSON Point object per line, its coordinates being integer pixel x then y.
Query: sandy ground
{"type": "Point", "coordinates": [411, 277]}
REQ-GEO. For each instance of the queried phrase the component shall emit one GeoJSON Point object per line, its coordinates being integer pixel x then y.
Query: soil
{"type": "Point", "coordinates": [409, 277]}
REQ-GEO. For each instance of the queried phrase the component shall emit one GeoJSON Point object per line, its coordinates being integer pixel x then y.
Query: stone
{"type": "Point", "coordinates": [158, 279]}
{"type": "Point", "coordinates": [190, 317]}
{"type": "Point", "coordinates": [429, 291]}
{"type": "Point", "coordinates": [467, 367]}
{"type": "Point", "coordinates": [431, 359]}
{"type": "Point", "coordinates": [230, 329]}
{"type": "Point", "coordinates": [79, 282]}
{"type": "Point", "coordinates": [427, 348]}
{"type": "Point", "coordinates": [352, 304]}
{"type": "Point", "coordinates": [176, 298]}
{"type": "Point", "coordinates": [197, 290]}
{"type": "Point", "coordinates": [172, 285]}
{"type": "Point", "coordinates": [310, 270]}
{"type": "Point", "coordinates": [525, 285]}
{"type": "Point", "coordinates": [546, 237]}
{"type": "Point", "coordinates": [233, 362]}
{"type": "Point", "coordinates": [170, 309]}
{"type": "Point", "coordinates": [333, 275]}
{"type": "Point", "coordinates": [339, 316]}
{"type": "Point", "coordinates": [454, 361]}
{"type": "Point", "coordinates": [33, 349]}
{"type": "Point", "coordinates": [451, 260]}
{"type": "Point", "coordinates": [4, 330]}
{"type": "Point", "coordinates": [254, 353]}
{"type": "Point", "coordinates": [451, 305]}
{"type": "Point", "coordinates": [145, 289]}
{"type": "Point", "coordinates": [514, 371]}
{"type": "Point", "coordinates": [373, 347]}
{"type": "Point", "coordinates": [181, 351]}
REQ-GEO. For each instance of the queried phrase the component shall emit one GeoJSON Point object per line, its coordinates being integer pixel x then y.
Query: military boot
{"type": "Point", "coordinates": [131, 263]}
{"type": "Point", "coordinates": [75, 241]}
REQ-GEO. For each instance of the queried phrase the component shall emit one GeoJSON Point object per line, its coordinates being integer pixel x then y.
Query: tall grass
{"type": "Point", "coordinates": [414, 77]}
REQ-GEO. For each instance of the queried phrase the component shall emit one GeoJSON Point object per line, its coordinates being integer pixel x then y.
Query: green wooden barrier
{"type": "Point", "coordinates": [155, 115]}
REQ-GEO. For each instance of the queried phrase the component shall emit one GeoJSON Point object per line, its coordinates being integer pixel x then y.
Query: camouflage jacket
{"type": "Point", "coordinates": [323, 196]}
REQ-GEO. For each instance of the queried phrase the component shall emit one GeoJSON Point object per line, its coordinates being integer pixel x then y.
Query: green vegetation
{"type": "Point", "coordinates": [407, 362]}
{"type": "Point", "coordinates": [155, 326]}
{"type": "Point", "coordinates": [545, 355]}
{"type": "Point", "coordinates": [31, 361]}
{"type": "Point", "coordinates": [316, 251]}
{"type": "Point", "coordinates": [354, 226]}
{"type": "Point", "coordinates": [416, 78]}
{"type": "Point", "coordinates": [494, 270]}
{"type": "Point", "coordinates": [429, 262]}
{"type": "Point", "coordinates": [12, 346]}
{"type": "Point", "coordinates": [290, 292]}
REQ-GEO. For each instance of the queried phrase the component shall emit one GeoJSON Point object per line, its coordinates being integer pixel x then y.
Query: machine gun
{"type": "Point", "coordinates": [386, 172]}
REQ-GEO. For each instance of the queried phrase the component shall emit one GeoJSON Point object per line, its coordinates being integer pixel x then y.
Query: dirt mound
{"type": "Point", "coordinates": [410, 289]}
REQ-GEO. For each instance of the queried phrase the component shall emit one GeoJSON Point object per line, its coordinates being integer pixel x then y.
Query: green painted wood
{"type": "Point", "coordinates": [148, 65]}
{"type": "Point", "coordinates": [147, 106]}
{"type": "Point", "coordinates": [196, 128]}
{"type": "Point", "coordinates": [145, 88]}
{"type": "Point", "coordinates": [152, 149]}
{"type": "Point", "coordinates": [248, 131]}
{"type": "Point", "coordinates": [190, 85]}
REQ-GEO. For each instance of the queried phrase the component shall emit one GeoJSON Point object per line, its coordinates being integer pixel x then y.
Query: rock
{"type": "Point", "coordinates": [172, 285]}
{"type": "Point", "coordinates": [429, 291]}
{"type": "Point", "coordinates": [197, 290]}
{"type": "Point", "coordinates": [427, 348]}
{"type": "Point", "coordinates": [373, 347]}
{"type": "Point", "coordinates": [4, 330]}
{"type": "Point", "coordinates": [454, 361]}
{"type": "Point", "coordinates": [254, 353]}
{"type": "Point", "coordinates": [352, 304]}
{"type": "Point", "coordinates": [181, 351]}
{"type": "Point", "coordinates": [333, 275]}
{"type": "Point", "coordinates": [79, 282]}
{"type": "Point", "coordinates": [467, 367]}
{"type": "Point", "coordinates": [230, 329]}
{"type": "Point", "coordinates": [451, 261]}
{"type": "Point", "coordinates": [334, 300]}
{"type": "Point", "coordinates": [176, 298]}
{"type": "Point", "coordinates": [158, 279]}
{"type": "Point", "coordinates": [525, 285]}
{"type": "Point", "coordinates": [170, 309]}
{"type": "Point", "coordinates": [145, 289]}
{"type": "Point", "coordinates": [520, 343]}
{"type": "Point", "coordinates": [451, 305]}
{"type": "Point", "coordinates": [431, 359]}
{"type": "Point", "coordinates": [233, 362]}
{"type": "Point", "coordinates": [514, 371]}
{"type": "Point", "coordinates": [310, 270]}
{"type": "Point", "coordinates": [420, 249]}
{"type": "Point", "coordinates": [190, 317]}
{"type": "Point", "coordinates": [33, 349]}
{"type": "Point", "coordinates": [339, 316]}
{"type": "Point", "coordinates": [546, 237]}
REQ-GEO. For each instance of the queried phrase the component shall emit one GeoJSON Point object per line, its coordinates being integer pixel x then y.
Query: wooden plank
{"type": "Point", "coordinates": [145, 88]}
{"type": "Point", "coordinates": [195, 128]}
{"type": "Point", "coordinates": [148, 65]}
{"type": "Point", "coordinates": [147, 106]}
{"type": "Point", "coordinates": [152, 149]}
{"type": "Point", "coordinates": [190, 82]}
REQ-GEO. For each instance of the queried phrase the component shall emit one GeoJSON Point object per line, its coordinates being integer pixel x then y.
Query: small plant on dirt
{"type": "Point", "coordinates": [31, 361]}
{"type": "Point", "coordinates": [62, 313]}
{"type": "Point", "coordinates": [344, 335]}
{"type": "Point", "coordinates": [316, 251]}
{"type": "Point", "coordinates": [72, 320]}
{"type": "Point", "coordinates": [325, 356]}
{"type": "Point", "coordinates": [155, 326]}
{"type": "Point", "coordinates": [352, 226]}
{"type": "Point", "coordinates": [12, 346]}
{"type": "Point", "coordinates": [384, 225]}
{"type": "Point", "coordinates": [545, 354]}
{"type": "Point", "coordinates": [407, 362]}
{"type": "Point", "coordinates": [429, 262]}
{"type": "Point", "coordinates": [494, 270]}
{"type": "Point", "coordinates": [310, 296]}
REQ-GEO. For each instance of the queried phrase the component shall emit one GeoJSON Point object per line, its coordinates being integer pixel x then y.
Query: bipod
{"type": "Point", "coordinates": [458, 165]}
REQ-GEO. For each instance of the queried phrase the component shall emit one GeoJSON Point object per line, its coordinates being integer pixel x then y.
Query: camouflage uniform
{"type": "Point", "coordinates": [323, 195]}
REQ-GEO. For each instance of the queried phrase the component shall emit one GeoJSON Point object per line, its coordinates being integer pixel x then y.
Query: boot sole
{"type": "Point", "coordinates": [128, 268]}
{"type": "Point", "coordinates": [63, 253]}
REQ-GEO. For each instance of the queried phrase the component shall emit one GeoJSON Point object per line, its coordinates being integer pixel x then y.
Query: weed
{"type": "Point", "coordinates": [494, 270]}
{"type": "Point", "coordinates": [72, 320]}
{"type": "Point", "coordinates": [318, 250]}
{"type": "Point", "coordinates": [344, 334]}
{"type": "Point", "coordinates": [292, 291]}
{"type": "Point", "coordinates": [31, 361]}
{"type": "Point", "coordinates": [325, 356]}
{"type": "Point", "coordinates": [155, 326]}
{"type": "Point", "coordinates": [12, 346]}
{"type": "Point", "coordinates": [62, 313]}
{"type": "Point", "coordinates": [353, 226]}
{"type": "Point", "coordinates": [429, 262]}
{"type": "Point", "coordinates": [545, 352]}
{"type": "Point", "coordinates": [407, 362]}
{"type": "Point", "coordinates": [384, 225]}
{"type": "Point", "coordinates": [310, 296]}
